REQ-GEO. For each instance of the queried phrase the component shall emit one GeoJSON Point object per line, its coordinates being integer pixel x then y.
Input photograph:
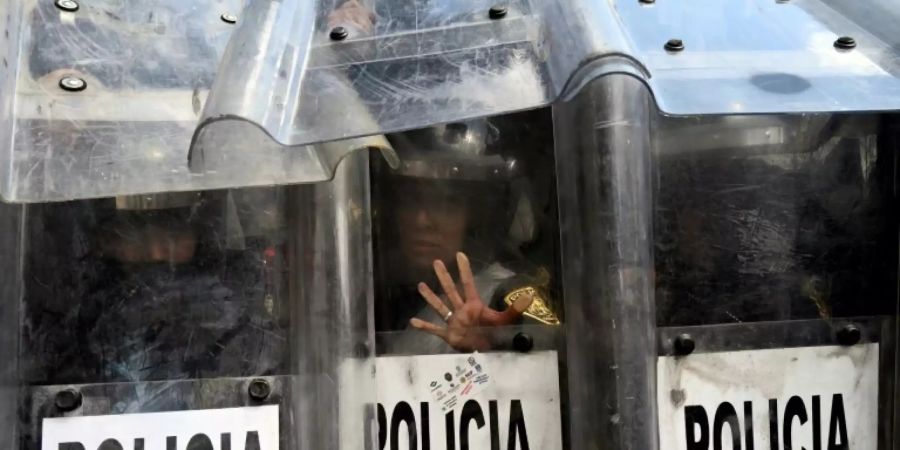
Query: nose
{"type": "Point", "coordinates": [423, 218]}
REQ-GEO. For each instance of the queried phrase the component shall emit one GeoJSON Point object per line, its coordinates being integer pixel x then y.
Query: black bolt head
{"type": "Point", "coordinates": [497, 12]}
{"type": "Point", "coordinates": [849, 335]}
{"type": "Point", "coordinates": [684, 345]}
{"type": "Point", "coordinates": [72, 84]}
{"type": "Point", "coordinates": [67, 5]}
{"type": "Point", "coordinates": [845, 43]}
{"type": "Point", "coordinates": [338, 34]}
{"type": "Point", "coordinates": [68, 400]}
{"type": "Point", "coordinates": [259, 389]}
{"type": "Point", "coordinates": [674, 45]}
{"type": "Point", "coordinates": [522, 342]}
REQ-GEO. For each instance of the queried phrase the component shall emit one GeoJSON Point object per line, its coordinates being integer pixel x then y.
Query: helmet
{"type": "Point", "coordinates": [152, 202]}
{"type": "Point", "coordinates": [458, 164]}
{"type": "Point", "coordinates": [454, 151]}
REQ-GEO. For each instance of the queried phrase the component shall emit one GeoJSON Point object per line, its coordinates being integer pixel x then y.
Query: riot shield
{"type": "Point", "coordinates": [143, 306]}
{"type": "Point", "coordinates": [591, 225]}
{"type": "Point", "coordinates": [749, 267]}
{"type": "Point", "coordinates": [469, 313]}
{"type": "Point", "coordinates": [215, 319]}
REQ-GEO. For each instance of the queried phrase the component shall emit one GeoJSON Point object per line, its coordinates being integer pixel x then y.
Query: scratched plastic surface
{"type": "Point", "coordinates": [284, 87]}
{"type": "Point", "coordinates": [484, 188]}
{"type": "Point", "coordinates": [662, 221]}
{"type": "Point", "coordinates": [775, 218]}
{"type": "Point", "coordinates": [428, 62]}
{"type": "Point", "coordinates": [152, 303]}
{"type": "Point", "coordinates": [708, 220]}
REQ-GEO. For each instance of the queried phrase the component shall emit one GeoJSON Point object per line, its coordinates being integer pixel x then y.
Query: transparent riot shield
{"type": "Point", "coordinates": [593, 224]}
{"type": "Point", "coordinates": [747, 264]}
{"type": "Point", "coordinates": [102, 98]}
{"type": "Point", "coordinates": [469, 312]}
{"type": "Point", "coordinates": [805, 283]}
{"type": "Point", "coordinates": [213, 319]}
{"type": "Point", "coordinates": [142, 305]}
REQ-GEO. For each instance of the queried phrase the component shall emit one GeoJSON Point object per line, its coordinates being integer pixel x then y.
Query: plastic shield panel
{"type": "Point", "coordinates": [761, 56]}
{"type": "Point", "coordinates": [604, 175]}
{"type": "Point", "coordinates": [145, 69]}
{"type": "Point", "coordinates": [468, 295]}
{"type": "Point", "coordinates": [815, 360]}
{"type": "Point", "coordinates": [211, 305]}
{"type": "Point", "coordinates": [480, 399]}
{"type": "Point", "coordinates": [782, 225]}
{"type": "Point", "coordinates": [10, 290]}
{"type": "Point", "coordinates": [396, 64]}
{"type": "Point", "coordinates": [300, 73]}
{"type": "Point", "coordinates": [775, 218]}
{"type": "Point", "coordinates": [775, 237]}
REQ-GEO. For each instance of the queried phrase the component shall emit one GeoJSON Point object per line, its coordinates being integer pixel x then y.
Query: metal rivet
{"type": "Point", "coordinates": [522, 342]}
{"type": "Point", "coordinates": [497, 12]}
{"type": "Point", "coordinates": [849, 335]}
{"type": "Point", "coordinates": [339, 34]}
{"type": "Point", "coordinates": [674, 45]}
{"type": "Point", "coordinates": [68, 400]}
{"type": "Point", "coordinates": [228, 18]}
{"type": "Point", "coordinates": [259, 389]}
{"type": "Point", "coordinates": [67, 5]}
{"type": "Point", "coordinates": [647, 2]}
{"type": "Point", "coordinates": [684, 345]}
{"type": "Point", "coordinates": [845, 43]}
{"type": "Point", "coordinates": [72, 84]}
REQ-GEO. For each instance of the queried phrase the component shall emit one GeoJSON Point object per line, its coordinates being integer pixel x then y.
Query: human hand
{"type": "Point", "coordinates": [466, 314]}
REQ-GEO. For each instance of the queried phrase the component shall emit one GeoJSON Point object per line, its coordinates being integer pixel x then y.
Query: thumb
{"type": "Point", "coordinates": [511, 314]}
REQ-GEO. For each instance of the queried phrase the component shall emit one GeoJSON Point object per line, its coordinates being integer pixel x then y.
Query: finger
{"type": "Point", "coordinates": [447, 283]}
{"type": "Point", "coordinates": [428, 327]}
{"type": "Point", "coordinates": [494, 318]}
{"type": "Point", "coordinates": [433, 300]}
{"type": "Point", "coordinates": [465, 275]}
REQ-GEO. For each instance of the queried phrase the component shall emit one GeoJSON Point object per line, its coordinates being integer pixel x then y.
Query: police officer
{"type": "Point", "coordinates": [150, 289]}
{"type": "Point", "coordinates": [449, 209]}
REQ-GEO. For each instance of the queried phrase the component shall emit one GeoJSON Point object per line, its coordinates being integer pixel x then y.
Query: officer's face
{"type": "Point", "coordinates": [431, 225]}
{"type": "Point", "coordinates": [147, 238]}
{"type": "Point", "coordinates": [154, 245]}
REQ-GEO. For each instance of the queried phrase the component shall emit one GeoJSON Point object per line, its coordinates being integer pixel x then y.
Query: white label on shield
{"type": "Point", "coordinates": [817, 398]}
{"type": "Point", "coordinates": [480, 401]}
{"type": "Point", "coordinates": [248, 428]}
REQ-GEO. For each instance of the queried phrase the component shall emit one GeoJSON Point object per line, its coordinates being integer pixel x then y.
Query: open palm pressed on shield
{"type": "Point", "coordinates": [466, 313]}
